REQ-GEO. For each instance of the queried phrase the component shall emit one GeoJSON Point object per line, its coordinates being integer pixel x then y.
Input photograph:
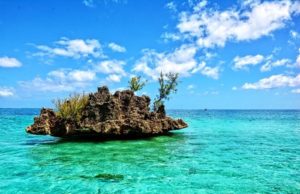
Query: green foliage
{"type": "Point", "coordinates": [71, 108]}
{"type": "Point", "coordinates": [135, 84]}
{"type": "Point", "coordinates": [167, 85]}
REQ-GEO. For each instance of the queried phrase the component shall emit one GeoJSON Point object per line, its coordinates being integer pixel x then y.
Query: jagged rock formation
{"type": "Point", "coordinates": [106, 115]}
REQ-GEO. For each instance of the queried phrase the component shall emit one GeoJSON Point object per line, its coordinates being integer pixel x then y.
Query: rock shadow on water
{"type": "Point", "coordinates": [37, 141]}
{"type": "Point", "coordinates": [103, 139]}
{"type": "Point", "coordinates": [105, 177]}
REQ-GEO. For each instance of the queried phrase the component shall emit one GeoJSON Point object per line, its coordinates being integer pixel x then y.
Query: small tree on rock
{"type": "Point", "coordinates": [167, 85]}
{"type": "Point", "coordinates": [135, 83]}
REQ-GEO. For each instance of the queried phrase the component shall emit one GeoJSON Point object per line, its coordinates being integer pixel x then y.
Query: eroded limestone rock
{"type": "Point", "coordinates": [121, 114]}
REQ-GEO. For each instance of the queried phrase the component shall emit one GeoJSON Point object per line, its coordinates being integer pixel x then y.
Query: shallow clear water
{"type": "Point", "coordinates": [220, 152]}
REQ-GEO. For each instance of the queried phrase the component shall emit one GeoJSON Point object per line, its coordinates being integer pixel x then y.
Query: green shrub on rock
{"type": "Point", "coordinates": [71, 107]}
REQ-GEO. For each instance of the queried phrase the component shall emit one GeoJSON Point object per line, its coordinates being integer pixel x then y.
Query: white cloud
{"type": "Point", "coordinates": [49, 85]}
{"type": "Point", "coordinates": [190, 87]}
{"type": "Point", "coordinates": [274, 81]}
{"type": "Point", "coordinates": [75, 48]}
{"type": "Point", "coordinates": [61, 80]}
{"type": "Point", "coordinates": [210, 93]}
{"type": "Point", "coordinates": [9, 62]}
{"type": "Point", "coordinates": [270, 64]}
{"type": "Point", "coordinates": [296, 91]}
{"type": "Point", "coordinates": [111, 67]}
{"type": "Point", "coordinates": [209, 55]}
{"type": "Point", "coordinates": [212, 72]}
{"type": "Point", "coordinates": [171, 36]}
{"type": "Point", "coordinates": [88, 3]}
{"type": "Point", "coordinates": [246, 3]}
{"type": "Point", "coordinates": [298, 60]}
{"type": "Point", "coordinates": [117, 48]}
{"type": "Point", "coordinates": [199, 67]}
{"type": "Point", "coordinates": [114, 78]}
{"type": "Point", "coordinates": [181, 60]}
{"type": "Point", "coordinates": [210, 27]}
{"type": "Point", "coordinates": [93, 3]}
{"type": "Point", "coordinates": [82, 76]}
{"type": "Point", "coordinates": [244, 62]}
{"type": "Point", "coordinates": [6, 92]}
{"type": "Point", "coordinates": [234, 88]}
{"type": "Point", "coordinates": [142, 66]}
{"type": "Point", "coordinates": [171, 6]}
{"type": "Point", "coordinates": [252, 60]}
{"type": "Point", "coordinates": [73, 75]}
{"type": "Point", "coordinates": [253, 20]}
{"type": "Point", "coordinates": [200, 5]}
{"type": "Point", "coordinates": [294, 34]}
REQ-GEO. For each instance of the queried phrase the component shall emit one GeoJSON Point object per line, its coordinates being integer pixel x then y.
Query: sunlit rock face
{"type": "Point", "coordinates": [121, 115]}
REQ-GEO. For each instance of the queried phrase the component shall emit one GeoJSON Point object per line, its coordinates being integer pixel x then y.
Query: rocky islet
{"type": "Point", "coordinates": [106, 115]}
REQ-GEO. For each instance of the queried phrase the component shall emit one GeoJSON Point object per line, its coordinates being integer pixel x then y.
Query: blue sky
{"type": "Point", "coordinates": [229, 54]}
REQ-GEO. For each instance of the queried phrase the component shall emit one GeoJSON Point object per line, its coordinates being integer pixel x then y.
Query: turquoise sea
{"type": "Point", "coordinates": [222, 151]}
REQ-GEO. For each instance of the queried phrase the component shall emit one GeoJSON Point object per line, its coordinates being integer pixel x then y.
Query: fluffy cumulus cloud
{"type": "Point", "coordinates": [274, 81]}
{"type": "Point", "coordinates": [81, 76]}
{"type": "Point", "coordinates": [61, 80]}
{"type": "Point", "coordinates": [75, 48]}
{"type": "Point", "coordinates": [208, 27]}
{"type": "Point", "coordinates": [117, 48]}
{"type": "Point", "coordinates": [6, 92]}
{"type": "Point", "coordinates": [249, 60]}
{"type": "Point", "coordinates": [181, 60]}
{"type": "Point", "coordinates": [114, 78]}
{"type": "Point", "coordinates": [112, 67]}
{"type": "Point", "coordinates": [9, 62]}
{"type": "Point", "coordinates": [252, 20]}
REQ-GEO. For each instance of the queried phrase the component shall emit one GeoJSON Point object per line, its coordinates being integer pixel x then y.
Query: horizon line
{"type": "Point", "coordinates": [203, 109]}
